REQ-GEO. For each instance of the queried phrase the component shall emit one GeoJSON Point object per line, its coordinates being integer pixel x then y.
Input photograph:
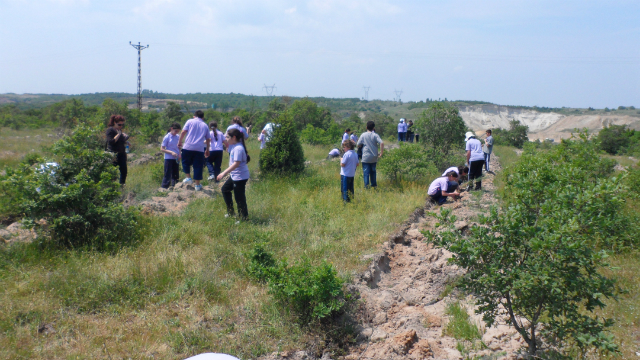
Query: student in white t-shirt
{"type": "Point", "coordinates": [348, 166]}
{"type": "Point", "coordinates": [238, 160]}
{"type": "Point", "coordinates": [440, 188]}
{"type": "Point", "coordinates": [462, 172]}
{"type": "Point", "coordinates": [333, 154]}
{"type": "Point", "coordinates": [475, 159]}
{"type": "Point", "coordinates": [171, 152]}
{"type": "Point", "coordinates": [263, 139]}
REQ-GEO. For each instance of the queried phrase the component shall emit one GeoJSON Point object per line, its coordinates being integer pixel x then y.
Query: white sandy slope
{"type": "Point", "coordinates": [541, 125]}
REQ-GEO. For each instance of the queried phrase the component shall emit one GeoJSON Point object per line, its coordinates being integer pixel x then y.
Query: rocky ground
{"type": "Point", "coordinates": [173, 199]}
{"type": "Point", "coordinates": [403, 295]}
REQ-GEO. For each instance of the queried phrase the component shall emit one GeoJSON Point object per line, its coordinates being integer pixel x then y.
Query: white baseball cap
{"type": "Point", "coordinates": [401, 119]}
{"type": "Point", "coordinates": [469, 135]}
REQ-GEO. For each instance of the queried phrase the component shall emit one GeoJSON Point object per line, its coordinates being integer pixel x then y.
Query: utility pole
{"type": "Point", "coordinates": [366, 92]}
{"type": "Point", "coordinates": [398, 95]}
{"type": "Point", "coordinates": [139, 48]}
{"type": "Point", "coordinates": [269, 89]}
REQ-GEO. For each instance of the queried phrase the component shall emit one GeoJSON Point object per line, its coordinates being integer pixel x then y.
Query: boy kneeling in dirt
{"type": "Point", "coordinates": [440, 187]}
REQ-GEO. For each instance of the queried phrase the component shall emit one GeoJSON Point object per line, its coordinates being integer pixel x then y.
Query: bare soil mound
{"type": "Point", "coordinates": [176, 199]}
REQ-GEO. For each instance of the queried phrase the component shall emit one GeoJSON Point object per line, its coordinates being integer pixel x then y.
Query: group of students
{"type": "Point", "coordinates": [367, 152]}
{"type": "Point", "coordinates": [195, 145]}
{"type": "Point", "coordinates": [477, 156]}
{"type": "Point", "coordinates": [405, 131]}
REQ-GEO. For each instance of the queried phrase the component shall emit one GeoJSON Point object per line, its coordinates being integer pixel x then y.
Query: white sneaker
{"type": "Point", "coordinates": [211, 177]}
{"type": "Point", "coordinates": [237, 222]}
{"type": "Point", "coordinates": [187, 181]}
{"type": "Point", "coordinates": [198, 188]}
{"type": "Point", "coordinates": [226, 215]}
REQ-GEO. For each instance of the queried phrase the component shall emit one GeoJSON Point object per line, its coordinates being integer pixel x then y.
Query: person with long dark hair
{"type": "Point", "coordinates": [116, 143]}
{"type": "Point", "coordinates": [237, 124]}
{"type": "Point", "coordinates": [171, 155]}
{"type": "Point", "coordinates": [238, 160]}
{"type": "Point", "coordinates": [216, 149]}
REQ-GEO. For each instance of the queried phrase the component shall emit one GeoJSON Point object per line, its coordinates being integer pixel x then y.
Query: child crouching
{"type": "Point", "coordinates": [440, 188]}
{"type": "Point", "coordinates": [348, 166]}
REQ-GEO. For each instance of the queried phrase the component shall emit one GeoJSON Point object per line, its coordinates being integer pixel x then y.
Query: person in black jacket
{"type": "Point", "coordinates": [116, 143]}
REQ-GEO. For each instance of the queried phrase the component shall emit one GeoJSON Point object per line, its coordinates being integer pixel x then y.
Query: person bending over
{"type": "Point", "coordinates": [440, 188]}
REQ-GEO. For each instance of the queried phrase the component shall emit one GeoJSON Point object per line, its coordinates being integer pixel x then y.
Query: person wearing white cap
{"type": "Point", "coordinates": [402, 130]}
{"type": "Point", "coordinates": [475, 159]}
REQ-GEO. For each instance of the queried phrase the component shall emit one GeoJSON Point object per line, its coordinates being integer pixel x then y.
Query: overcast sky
{"type": "Point", "coordinates": [546, 53]}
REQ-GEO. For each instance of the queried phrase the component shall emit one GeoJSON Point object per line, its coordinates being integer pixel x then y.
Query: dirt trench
{"type": "Point", "coordinates": [403, 295]}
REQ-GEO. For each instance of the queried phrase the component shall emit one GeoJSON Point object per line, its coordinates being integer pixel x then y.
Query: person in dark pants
{"type": "Point", "coordinates": [216, 149]}
{"type": "Point", "coordinates": [442, 187]}
{"type": "Point", "coordinates": [410, 131]}
{"type": "Point", "coordinates": [197, 139]}
{"type": "Point", "coordinates": [116, 143]}
{"type": "Point", "coordinates": [171, 155]}
{"type": "Point", "coordinates": [238, 160]}
{"type": "Point", "coordinates": [475, 159]}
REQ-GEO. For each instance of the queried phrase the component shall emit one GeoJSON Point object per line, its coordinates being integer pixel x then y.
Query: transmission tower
{"type": "Point", "coordinates": [139, 48]}
{"type": "Point", "coordinates": [269, 89]}
{"type": "Point", "coordinates": [366, 92]}
{"type": "Point", "coordinates": [398, 95]}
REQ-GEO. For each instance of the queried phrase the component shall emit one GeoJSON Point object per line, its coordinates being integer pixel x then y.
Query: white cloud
{"type": "Point", "coordinates": [290, 11]}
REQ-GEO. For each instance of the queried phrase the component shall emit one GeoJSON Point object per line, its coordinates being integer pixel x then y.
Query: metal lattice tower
{"type": "Point", "coordinates": [269, 89]}
{"type": "Point", "coordinates": [398, 95]}
{"type": "Point", "coordinates": [139, 48]}
{"type": "Point", "coordinates": [366, 92]}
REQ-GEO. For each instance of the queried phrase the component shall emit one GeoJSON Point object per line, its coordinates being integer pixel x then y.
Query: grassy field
{"type": "Point", "coordinates": [17, 143]}
{"type": "Point", "coordinates": [183, 289]}
{"type": "Point", "coordinates": [625, 268]}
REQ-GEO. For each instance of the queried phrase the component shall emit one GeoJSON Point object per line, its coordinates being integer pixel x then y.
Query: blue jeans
{"type": "Point", "coordinates": [453, 185]}
{"type": "Point", "coordinates": [346, 185]}
{"type": "Point", "coordinates": [487, 157]}
{"type": "Point", "coordinates": [438, 198]}
{"type": "Point", "coordinates": [214, 162]}
{"type": "Point", "coordinates": [402, 136]}
{"type": "Point", "coordinates": [369, 173]}
{"type": "Point", "coordinates": [195, 158]}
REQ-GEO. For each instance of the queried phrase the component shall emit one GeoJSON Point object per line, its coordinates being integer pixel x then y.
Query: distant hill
{"type": "Point", "coordinates": [543, 122]}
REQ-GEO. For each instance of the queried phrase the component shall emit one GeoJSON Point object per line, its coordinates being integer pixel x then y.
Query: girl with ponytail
{"type": "Point", "coordinates": [237, 124]}
{"type": "Point", "coordinates": [218, 143]}
{"type": "Point", "coordinates": [238, 159]}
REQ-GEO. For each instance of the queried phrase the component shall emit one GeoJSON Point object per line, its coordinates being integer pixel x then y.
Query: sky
{"type": "Point", "coordinates": [511, 52]}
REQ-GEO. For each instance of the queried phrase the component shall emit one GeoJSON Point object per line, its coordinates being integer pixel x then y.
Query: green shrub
{"type": "Point", "coordinates": [283, 153]}
{"type": "Point", "coordinates": [312, 292]}
{"type": "Point", "coordinates": [516, 136]}
{"type": "Point", "coordinates": [441, 129]}
{"type": "Point", "coordinates": [409, 162]}
{"type": "Point", "coordinates": [79, 198]}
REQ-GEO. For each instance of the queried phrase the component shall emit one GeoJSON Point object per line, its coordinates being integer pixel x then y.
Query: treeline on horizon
{"type": "Point", "coordinates": [226, 102]}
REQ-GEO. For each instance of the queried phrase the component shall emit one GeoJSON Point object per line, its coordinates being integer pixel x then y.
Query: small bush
{"type": "Point", "coordinates": [460, 326]}
{"type": "Point", "coordinates": [409, 162]}
{"type": "Point", "coordinates": [283, 153]}
{"type": "Point", "coordinates": [516, 136]}
{"type": "Point", "coordinates": [312, 292]}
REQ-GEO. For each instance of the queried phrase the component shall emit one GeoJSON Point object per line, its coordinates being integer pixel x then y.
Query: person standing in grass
{"type": "Point", "coordinates": [368, 144]}
{"type": "Point", "coordinates": [402, 131]}
{"type": "Point", "coordinates": [409, 131]}
{"type": "Point", "coordinates": [263, 139]}
{"type": "Point", "coordinates": [475, 160]}
{"type": "Point", "coordinates": [487, 149]}
{"type": "Point", "coordinates": [214, 160]}
{"type": "Point", "coordinates": [348, 166]}
{"type": "Point", "coordinates": [440, 188]}
{"type": "Point", "coordinates": [171, 152]}
{"type": "Point", "coordinates": [238, 160]}
{"type": "Point", "coordinates": [116, 143]}
{"type": "Point", "coordinates": [237, 124]}
{"type": "Point", "coordinates": [345, 136]}
{"type": "Point", "coordinates": [194, 134]}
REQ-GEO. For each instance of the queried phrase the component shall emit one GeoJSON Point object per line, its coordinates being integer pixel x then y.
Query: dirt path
{"type": "Point", "coordinates": [404, 298]}
{"type": "Point", "coordinates": [404, 295]}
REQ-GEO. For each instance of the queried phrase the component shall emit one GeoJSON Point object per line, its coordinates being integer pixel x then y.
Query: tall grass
{"type": "Point", "coordinates": [184, 289]}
